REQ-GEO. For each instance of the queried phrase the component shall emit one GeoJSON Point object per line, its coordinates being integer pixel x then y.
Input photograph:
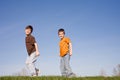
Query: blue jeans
{"type": "Point", "coordinates": [65, 65]}
{"type": "Point", "coordinates": [30, 62]}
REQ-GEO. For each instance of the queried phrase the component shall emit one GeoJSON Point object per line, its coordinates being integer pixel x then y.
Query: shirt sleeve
{"type": "Point", "coordinates": [33, 40]}
{"type": "Point", "coordinates": [68, 40]}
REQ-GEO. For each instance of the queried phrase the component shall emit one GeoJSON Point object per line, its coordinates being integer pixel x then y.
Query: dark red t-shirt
{"type": "Point", "coordinates": [30, 40]}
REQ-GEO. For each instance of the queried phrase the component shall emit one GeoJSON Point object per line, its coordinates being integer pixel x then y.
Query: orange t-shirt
{"type": "Point", "coordinates": [64, 46]}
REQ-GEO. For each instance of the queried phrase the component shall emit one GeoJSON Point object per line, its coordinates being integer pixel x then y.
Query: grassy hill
{"type": "Point", "coordinates": [56, 78]}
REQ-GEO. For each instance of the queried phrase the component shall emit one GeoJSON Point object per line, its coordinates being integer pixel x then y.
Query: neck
{"type": "Point", "coordinates": [28, 34]}
{"type": "Point", "coordinates": [62, 38]}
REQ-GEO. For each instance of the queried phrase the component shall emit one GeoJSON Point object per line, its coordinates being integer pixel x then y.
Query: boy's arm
{"type": "Point", "coordinates": [70, 48]}
{"type": "Point", "coordinates": [37, 51]}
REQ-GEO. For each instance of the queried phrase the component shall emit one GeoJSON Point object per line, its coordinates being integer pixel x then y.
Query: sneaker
{"type": "Point", "coordinates": [34, 75]}
{"type": "Point", "coordinates": [37, 71]}
{"type": "Point", "coordinates": [71, 75]}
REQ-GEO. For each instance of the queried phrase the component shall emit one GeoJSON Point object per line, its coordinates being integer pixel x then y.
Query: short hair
{"type": "Point", "coordinates": [61, 30]}
{"type": "Point", "coordinates": [29, 27]}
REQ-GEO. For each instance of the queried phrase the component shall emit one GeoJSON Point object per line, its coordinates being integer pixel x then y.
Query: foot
{"type": "Point", "coordinates": [71, 75]}
{"type": "Point", "coordinates": [34, 75]}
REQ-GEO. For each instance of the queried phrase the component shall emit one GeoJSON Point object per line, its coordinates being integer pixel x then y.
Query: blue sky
{"type": "Point", "coordinates": [92, 25]}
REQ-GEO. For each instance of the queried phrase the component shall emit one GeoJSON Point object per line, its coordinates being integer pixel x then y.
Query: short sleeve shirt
{"type": "Point", "coordinates": [64, 46]}
{"type": "Point", "coordinates": [30, 40]}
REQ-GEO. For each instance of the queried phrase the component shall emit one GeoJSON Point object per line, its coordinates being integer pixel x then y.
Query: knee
{"type": "Point", "coordinates": [67, 66]}
{"type": "Point", "coordinates": [27, 63]}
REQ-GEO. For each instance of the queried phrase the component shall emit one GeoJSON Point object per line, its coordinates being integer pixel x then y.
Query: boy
{"type": "Point", "coordinates": [65, 53]}
{"type": "Point", "coordinates": [32, 49]}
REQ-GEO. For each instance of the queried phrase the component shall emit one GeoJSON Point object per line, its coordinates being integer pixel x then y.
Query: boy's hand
{"type": "Point", "coordinates": [70, 54]}
{"type": "Point", "coordinates": [37, 53]}
{"type": "Point", "coordinates": [70, 49]}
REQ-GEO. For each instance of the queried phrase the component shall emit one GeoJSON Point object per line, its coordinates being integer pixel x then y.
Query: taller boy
{"type": "Point", "coordinates": [32, 49]}
{"type": "Point", "coordinates": [65, 53]}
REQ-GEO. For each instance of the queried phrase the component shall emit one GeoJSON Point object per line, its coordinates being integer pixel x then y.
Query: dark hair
{"type": "Point", "coordinates": [61, 30]}
{"type": "Point", "coordinates": [29, 27]}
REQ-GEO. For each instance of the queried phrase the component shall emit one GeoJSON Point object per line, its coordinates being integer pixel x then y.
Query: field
{"type": "Point", "coordinates": [56, 78]}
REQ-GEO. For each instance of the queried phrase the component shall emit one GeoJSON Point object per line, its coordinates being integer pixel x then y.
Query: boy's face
{"type": "Point", "coordinates": [61, 35]}
{"type": "Point", "coordinates": [27, 31]}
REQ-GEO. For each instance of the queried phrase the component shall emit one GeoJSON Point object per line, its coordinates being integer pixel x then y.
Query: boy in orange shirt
{"type": "Point", "coordinates": [65, 53]}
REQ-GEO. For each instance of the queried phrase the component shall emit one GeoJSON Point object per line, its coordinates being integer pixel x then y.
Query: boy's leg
{"type": "Point", "coordinates": [62, 66]}
{"type": "Point", "coordinates": [37, 71]}
{"type": "Point", "coordinates": [67, 65]}
{"type": "Point", "coordinates": [31, 63]}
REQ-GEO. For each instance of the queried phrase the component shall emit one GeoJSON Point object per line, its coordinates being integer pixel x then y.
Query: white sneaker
{"type": "Point", "coordinates": [72, 75]}
{"type": "Point", "coordinates": [34, 75]}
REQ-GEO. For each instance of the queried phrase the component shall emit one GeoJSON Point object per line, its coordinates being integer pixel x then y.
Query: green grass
{"type": "Point", "coordinates": [56, 78]}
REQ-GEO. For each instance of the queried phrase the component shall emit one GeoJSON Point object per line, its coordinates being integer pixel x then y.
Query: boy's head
{"type": "Point", "coordinates": [61, 33]}
{"type": "Point", "coordinates": [28, 30]}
